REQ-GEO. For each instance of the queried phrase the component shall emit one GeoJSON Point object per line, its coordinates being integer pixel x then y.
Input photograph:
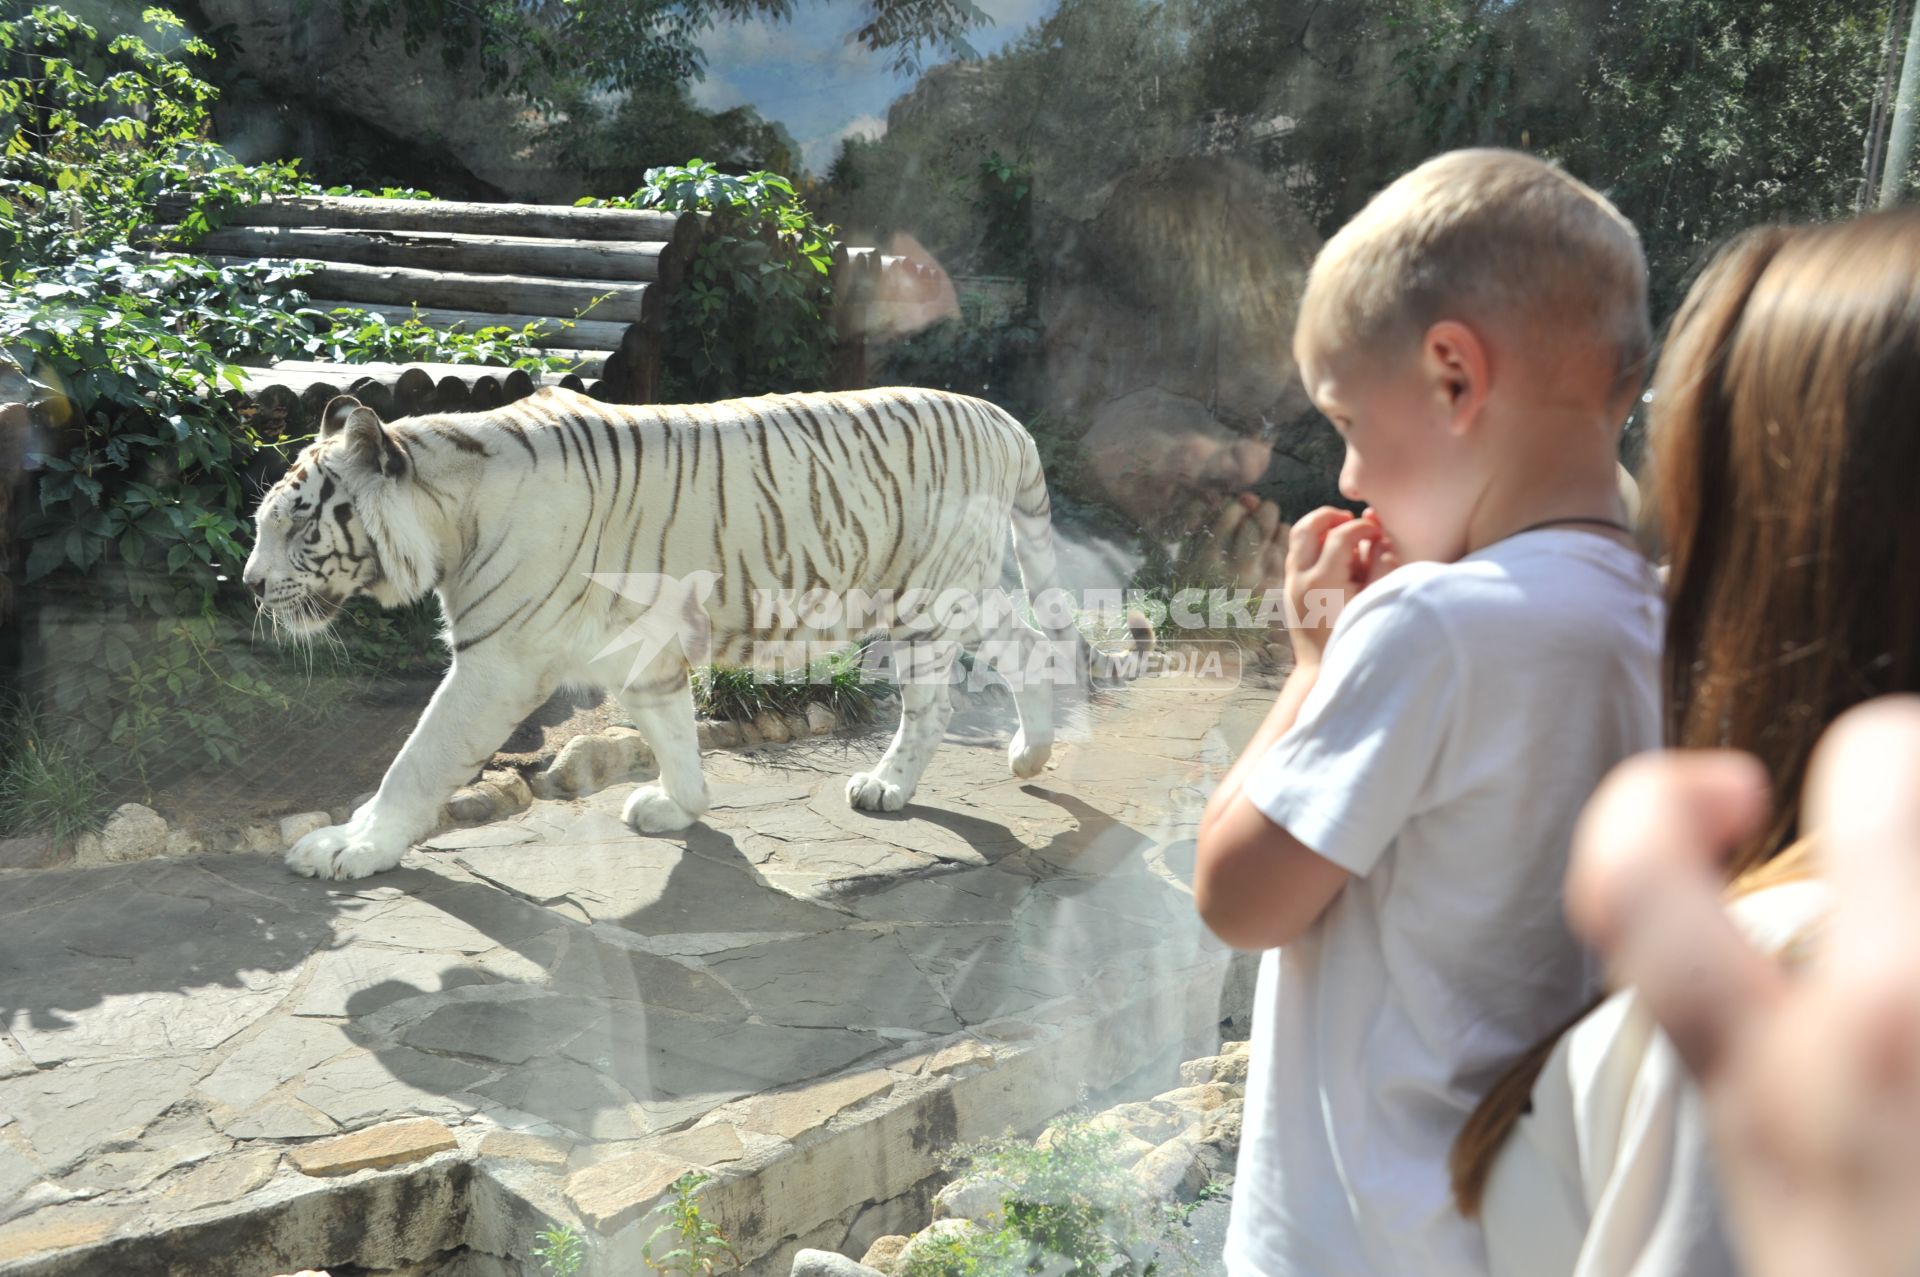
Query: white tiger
{"type": "Point", "coordinates": [511, 514]}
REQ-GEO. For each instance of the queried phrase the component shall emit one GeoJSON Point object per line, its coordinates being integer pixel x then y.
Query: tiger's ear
{"type": "Point", "coordinates": [333, 418]}
{"type": "Point", "coordinates": [366, 439]}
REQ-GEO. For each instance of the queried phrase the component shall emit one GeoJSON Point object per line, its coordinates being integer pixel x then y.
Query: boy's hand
{"type": "Point", "coordinates": [1331, 556]}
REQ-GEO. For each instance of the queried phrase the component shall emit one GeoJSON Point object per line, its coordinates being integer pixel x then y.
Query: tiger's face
{"type": "Point", "coordinates": [310, 552]}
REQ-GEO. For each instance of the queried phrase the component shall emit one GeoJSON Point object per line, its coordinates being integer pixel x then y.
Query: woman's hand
{"type": "Point", "coordinates": [1812, 1081]}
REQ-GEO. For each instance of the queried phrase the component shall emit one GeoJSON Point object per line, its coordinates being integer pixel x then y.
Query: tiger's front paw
{"type": "Point", "coordinates": [344, 852]}
{"type": "Point", "coordinates": [650, 811]}
{"type": "Point", "coordinates": [870, 791]}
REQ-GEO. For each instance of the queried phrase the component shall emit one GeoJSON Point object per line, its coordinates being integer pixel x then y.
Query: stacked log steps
{"type": "Point", "coordinates": [595, 280]}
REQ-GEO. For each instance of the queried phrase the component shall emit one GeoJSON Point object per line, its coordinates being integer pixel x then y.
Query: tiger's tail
{"type": "Point", "coordinates": [1033, 552]}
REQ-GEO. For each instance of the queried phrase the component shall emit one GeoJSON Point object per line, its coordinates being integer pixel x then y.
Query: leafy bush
{"type": "Point", "coordinates": [93, 129]}
{"type": "Point", "coordinates": [752, 315]}
{"type": "Point", "coordinates": [1070, 1208]}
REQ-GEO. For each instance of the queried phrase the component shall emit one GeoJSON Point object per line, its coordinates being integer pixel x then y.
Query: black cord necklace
{"type": "Point", "coordinates": [1615, 524]}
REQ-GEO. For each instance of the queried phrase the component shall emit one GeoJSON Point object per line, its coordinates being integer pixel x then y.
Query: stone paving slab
{"type": "Point", "coordinates": [782, 979]}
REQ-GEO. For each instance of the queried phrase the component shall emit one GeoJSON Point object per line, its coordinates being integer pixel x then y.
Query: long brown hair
{"type": "Point", "coordinates": [1785, 474]}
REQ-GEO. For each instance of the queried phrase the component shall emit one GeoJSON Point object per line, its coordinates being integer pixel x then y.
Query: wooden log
{"type": "Point", "coordinates": [313, 403]}
{"type": "Point", "coordinates": [413, 391]}
{"type": "Point", "coordinates": [491, 295]}
{"type": "Point", "coordinates": [636, 342]}
{"type": "Point", "coordinates": [462, 217]}
{"type": "Point", "coordinates": [516, 383]}
{"type": "Point", "coordinates": [582, 334]}
{"type": "Point", "coordinates": [566, 381]}
{"type": "Point", "coordinates": [452, 394]}
{"type": "Point", "coordinates": [388, 372]}
{"type": "Point", "coordinates": [645, 376]}
{"type": "Point", "coordinates": [617, 373]}
{"type": "Point", "coordinates": [276, 412]}
{"type": "Point", "coordinates": [375, 391]}
{"type": "Point", "coordinates": [443, 251]}
{"type": "Point", "coordinates": [484, 394]}
{"type": "Point", "coordinates": [256, 379]}
{"type": "Point", "coordinates": [598, 390]}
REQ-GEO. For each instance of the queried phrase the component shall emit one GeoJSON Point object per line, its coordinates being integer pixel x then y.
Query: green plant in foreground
{"type": "Point", "coordinates": [46, 784]}
{"type": "Point", "coordinates": [560, 1251]}
{"type": "Point", "coordinates": [698, 1246]}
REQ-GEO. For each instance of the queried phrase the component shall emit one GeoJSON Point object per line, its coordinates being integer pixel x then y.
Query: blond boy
{"type": "Point", "coordinates": [1396, 832]}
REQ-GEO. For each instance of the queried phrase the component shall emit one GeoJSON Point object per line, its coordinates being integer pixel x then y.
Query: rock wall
{"type": "Point", "coordinates": [304, 77]}
{"type": "Point", "coordinates": [1178, 1145]}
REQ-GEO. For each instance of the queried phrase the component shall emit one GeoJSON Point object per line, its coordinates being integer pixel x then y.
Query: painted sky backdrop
{"type": "Point", "coordinates": [810, 74]}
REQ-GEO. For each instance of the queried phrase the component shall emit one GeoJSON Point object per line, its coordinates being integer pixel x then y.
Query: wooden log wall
{"type": "Point", "coordinates": [596, 280]}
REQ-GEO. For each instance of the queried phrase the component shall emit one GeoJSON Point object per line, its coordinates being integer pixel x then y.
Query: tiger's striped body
{"type": "Point", "coordinates": [526, 521]}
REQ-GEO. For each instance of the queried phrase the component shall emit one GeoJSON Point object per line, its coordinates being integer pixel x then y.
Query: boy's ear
{"type": "Point", "coordinates": [367, 439]}
{"type": "Point", "coordinates": [1459, 370]}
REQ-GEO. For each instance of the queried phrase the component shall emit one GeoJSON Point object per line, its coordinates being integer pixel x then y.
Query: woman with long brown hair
{"type": "Point", "coordinates": [1785, 468]}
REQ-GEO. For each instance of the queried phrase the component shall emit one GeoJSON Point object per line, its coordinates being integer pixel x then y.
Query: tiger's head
{"type": "Point", "coordinates": [326, 531]}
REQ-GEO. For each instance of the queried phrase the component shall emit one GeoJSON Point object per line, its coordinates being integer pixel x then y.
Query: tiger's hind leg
{"type": "Point", "coordinates": [660, 702]}
{"type": "Point", "coordinates": [924, 668]}
{"type": "Point", "coordinates": [1019, 653]}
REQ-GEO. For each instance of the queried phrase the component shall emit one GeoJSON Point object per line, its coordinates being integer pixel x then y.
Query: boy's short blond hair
{"type": "Point", "coordinates": [1490, 235]}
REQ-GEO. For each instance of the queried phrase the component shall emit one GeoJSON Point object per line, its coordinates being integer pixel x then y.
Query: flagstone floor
{"type": "Point", "coordinates": [174, 1029]}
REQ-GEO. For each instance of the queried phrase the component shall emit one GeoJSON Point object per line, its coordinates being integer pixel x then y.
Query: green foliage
{"type": "Point", "coordinates": [994, 1252]}
{"type": "Point", "coordinates": [1090, 91]}
{"type": "Point", "coordinates": [751, 317]}
{"type": "Point", "coordinates": [1005, 204]}
{"type": "Point", "coordinates": [991, 361]}
{"type": "Point", "coordinates": [141, 444]}
{"type": "Point", "coordinates": [613, 143]}
{"type": "Point", "coordinates": [549, 51]}
{"type": "Point", "coordinates": [1070, 1207]}
{"type": "Point", "coordinates": [696, 1246]}
{"type": "Point", "coordinates": [347, 336]}
{"type": "Point", "coordinates": [560, 1252]}
{"type": "Point", "coordinates": [46, 782]}
{"type": "Point", "coordinates": [1697, 117]}
{"type": "Point", "coordinates": [88, 121]}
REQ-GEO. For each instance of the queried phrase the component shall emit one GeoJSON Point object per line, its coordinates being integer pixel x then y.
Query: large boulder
{"type": "Point", "coordinates": [133, 832]}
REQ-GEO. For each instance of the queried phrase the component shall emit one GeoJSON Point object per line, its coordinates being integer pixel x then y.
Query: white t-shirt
{"type": "Point", "coordinates": [1611, 1173]}
{"type": "Point", "coordinates": [1464, 713]}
